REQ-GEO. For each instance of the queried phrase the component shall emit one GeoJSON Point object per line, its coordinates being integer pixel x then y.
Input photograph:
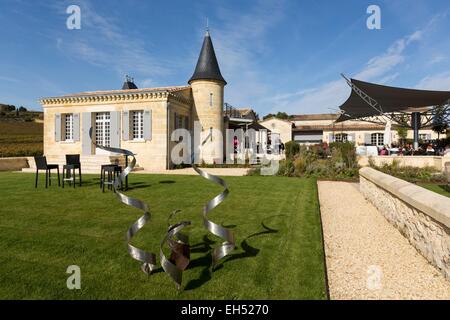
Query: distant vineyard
{"type": "Point", "coordinates": [21, 139]}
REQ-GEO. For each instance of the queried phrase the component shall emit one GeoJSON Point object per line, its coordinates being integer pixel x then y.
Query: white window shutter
{"type": "Point", "coordinates": [86, 142]}
{"type": "Point", "coordinates": [76, 127]}
{"type": "Point", "coordinates": [58, 127]}
{"type": "Point", "coordinates": [367, 138]}
{"type": "Point", "coordinates": [115, 129]}
{"type": "Point", "coordinates": [125, 126]}
{"type": "Point", "coordinates": [147, 125]}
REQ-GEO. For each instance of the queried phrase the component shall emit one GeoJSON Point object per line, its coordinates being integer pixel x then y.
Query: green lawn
{"type": "Point", "coordinates": [275, 219]}
{"type": "Point", "coordinates": [438, 188]}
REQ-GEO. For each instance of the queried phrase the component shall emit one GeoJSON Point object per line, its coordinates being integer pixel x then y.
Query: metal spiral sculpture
{"type": "Point", "coordinates": [147, 258]}
{"type": "Point", "coordinates": [177, 241]}
{"type": "Point", "coordinates": [229, 244]}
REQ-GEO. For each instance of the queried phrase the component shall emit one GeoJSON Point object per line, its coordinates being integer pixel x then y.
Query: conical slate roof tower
{"type": "Point", "coordinates": [207, 66]}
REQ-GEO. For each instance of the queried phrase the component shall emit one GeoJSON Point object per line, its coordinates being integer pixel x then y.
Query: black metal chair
{"type": "Point", "coordinates": [41, 164]}
{"type": "Point", "coordinates": [74, 160]}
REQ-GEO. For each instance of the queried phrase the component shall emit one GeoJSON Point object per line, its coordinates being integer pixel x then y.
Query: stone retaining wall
{"type": "Point", "coordinates": [413, 161]}
{"type": "Point", "coordinates": [422, 216]}
{"type": "Point", "coordinates": [14, 163]}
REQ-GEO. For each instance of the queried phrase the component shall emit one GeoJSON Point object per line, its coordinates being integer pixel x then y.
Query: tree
{"type": "Point", "coordinates": [278, 115]}
{"type": "Point", "coordinates": [7, 107]}
{"type": "Point", "coordinates": [22, 109]}
{"type": "Point", "coordinates": [402, 133]}
{"type": "Point", "coordinates": [440, 124]}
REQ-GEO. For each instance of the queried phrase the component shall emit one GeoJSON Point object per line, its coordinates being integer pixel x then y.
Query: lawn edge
{"type": "Point", "coordinates": [322, 235]}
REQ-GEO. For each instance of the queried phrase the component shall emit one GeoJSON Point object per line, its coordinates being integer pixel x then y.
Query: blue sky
{"type": "Point", "coordinates": [275, 55]}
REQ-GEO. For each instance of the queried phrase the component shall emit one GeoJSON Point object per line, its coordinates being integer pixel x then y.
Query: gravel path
{"type": "Point", "coordinates": [367, 258]}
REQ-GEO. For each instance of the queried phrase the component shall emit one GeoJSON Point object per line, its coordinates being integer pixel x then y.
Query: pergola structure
{"type": "Point", "coordinates": [407, 107]}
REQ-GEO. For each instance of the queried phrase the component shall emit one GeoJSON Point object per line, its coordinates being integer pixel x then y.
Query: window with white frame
{"type": "Point", "coordinates": [341, 137]}
{"type": "Point", "coordinates": [68, 127]}
{"type": "Point", "coordinates": [137, 124]}
{"type": "Point", "coordinates": [377, 139]}
{"type": "Point", "coordinates": [423, 137]}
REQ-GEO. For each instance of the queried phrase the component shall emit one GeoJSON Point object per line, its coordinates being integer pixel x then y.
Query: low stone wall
{"type": "Point", "coordinates": [13, 164]}
{"type": "Point", "coordinates": [422, 216]}
{"type": "Point", "coordinates": [413, 161]}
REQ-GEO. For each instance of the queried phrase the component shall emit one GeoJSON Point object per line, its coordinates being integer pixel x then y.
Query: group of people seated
{"type": "Point", "coordinates": [428, 149]}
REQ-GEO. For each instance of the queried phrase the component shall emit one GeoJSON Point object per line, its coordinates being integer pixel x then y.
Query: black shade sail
{"type": "Point", "coordinates": [390, 99]}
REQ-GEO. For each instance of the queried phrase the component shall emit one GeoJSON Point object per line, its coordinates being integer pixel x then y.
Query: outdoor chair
{"type": "Point", "coordinates": [74, 160]}
{"type": "Point", "coordinates": [41, 164]}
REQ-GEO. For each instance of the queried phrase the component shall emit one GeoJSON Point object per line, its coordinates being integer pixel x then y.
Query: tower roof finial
{"type": "Point", "coordinates": [207, 26]}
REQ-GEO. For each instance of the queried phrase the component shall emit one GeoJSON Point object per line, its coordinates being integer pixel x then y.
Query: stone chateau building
{"type": "Point", "coordinates": [318, 128]}
{"type": "Point", "coordinates": [140, 120]}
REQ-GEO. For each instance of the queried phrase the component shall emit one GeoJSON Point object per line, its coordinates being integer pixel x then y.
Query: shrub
{"type": "Point", "coordinates": [313, 162]}
{"type": "Point", "coordinates": [411, 174]}
{"type": "Point", "coordinates": [286, 168]}
{"type": "Point", "coordinates": [292, 149]}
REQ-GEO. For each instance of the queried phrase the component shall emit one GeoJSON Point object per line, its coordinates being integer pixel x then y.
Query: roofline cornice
{"type": "Point", "coordinates": [113, 97]}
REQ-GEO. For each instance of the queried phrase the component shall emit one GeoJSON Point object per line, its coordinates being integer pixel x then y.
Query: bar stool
{"type": "Point", "coordinates": [74, 159]}
{"type": "Point", "coordinates": [109, 172]}
{"type": "Point", "coordinates": [41, 164]}
{"type": "Point", "coordinates": [69, 174]}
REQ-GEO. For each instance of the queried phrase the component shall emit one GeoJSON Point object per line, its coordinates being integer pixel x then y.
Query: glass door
{"type": "Point", "coordinates": [102, 131]}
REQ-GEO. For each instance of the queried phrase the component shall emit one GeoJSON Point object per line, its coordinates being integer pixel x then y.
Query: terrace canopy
{"type": "Point", "coordinates": [407, 107]}
{"type": "Point", "coordinates": [369, 99]}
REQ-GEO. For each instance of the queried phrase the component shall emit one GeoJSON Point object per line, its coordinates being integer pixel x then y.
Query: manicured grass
{"type": "Point", "coordinates": [442, 189]}
{"type": "Point", "coordinates": [275, 220]}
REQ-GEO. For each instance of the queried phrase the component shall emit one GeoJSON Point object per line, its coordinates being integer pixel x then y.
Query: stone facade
{"type": "Point", "coordinates": [422, 216]}
{"type": "Point", "coordinates": [281, 127]}
{"type": "Point", "coordinates": [153, 152]}
{"type": "Point", "coordinates": [141, 120]}
{"type": "Point", "coordinates": [208, 99]}
{"type": "Point", "coordinates": [317, 128]}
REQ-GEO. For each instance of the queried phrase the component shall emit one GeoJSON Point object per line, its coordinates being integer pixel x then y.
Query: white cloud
{"type": "Point", "coordinates": [147, 83]}
{"type": "Point", "coordinates": [331, 95]}
{"type": "Point", "coordinates": [101, 42]}
{"type": "Point", "coordinates": [8, 79]}
{"type": "Point", "coordinates": [437, 58]}
{"type": "Point", "coordinates": [439, 81]}
{"type": "Point", "coordinates": [389, 78]}
{"type": "Point", "coordinates": [238, 44]}
{"type": "Point", "coordinates": [381, 64]}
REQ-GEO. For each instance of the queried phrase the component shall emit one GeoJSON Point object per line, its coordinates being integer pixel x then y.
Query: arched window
{"type": "Point", "coordinates": [341, 137]}
{"type": "Point", "coordinates": [377, 139]}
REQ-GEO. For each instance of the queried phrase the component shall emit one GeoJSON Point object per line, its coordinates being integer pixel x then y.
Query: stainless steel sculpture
{"type": "Point", "coordinates": [147, 258]}
{"type": "Point", "coordinates": [177, 241]}
{"type": "Point", "coordinates": [229, 244]}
